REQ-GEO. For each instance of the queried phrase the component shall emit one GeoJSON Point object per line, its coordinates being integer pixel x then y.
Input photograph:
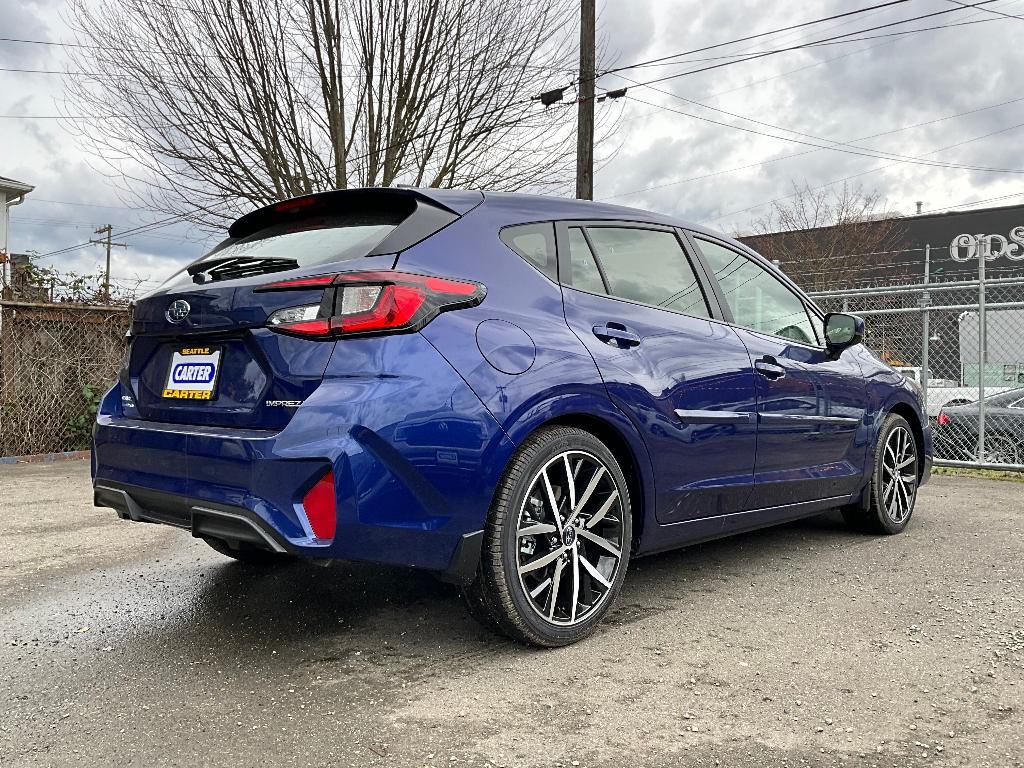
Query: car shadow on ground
{"type": "Point", "coordinates": [240, 605]}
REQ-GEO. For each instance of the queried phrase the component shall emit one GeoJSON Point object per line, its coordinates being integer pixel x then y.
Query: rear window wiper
{"type": "Point", "coordinates": [232, 267]}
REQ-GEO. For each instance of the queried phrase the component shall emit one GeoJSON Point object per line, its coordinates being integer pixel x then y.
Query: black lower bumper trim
{"type": "Point", "coordinates": [204, 519]}
{"type": "Point", "coordinates": [466, 560]}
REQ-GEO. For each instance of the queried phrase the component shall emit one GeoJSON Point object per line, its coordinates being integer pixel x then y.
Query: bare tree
{"type": "Point", "coordinates": [208, 107]}
{"type": "Point", "coordinates": [830, 238]}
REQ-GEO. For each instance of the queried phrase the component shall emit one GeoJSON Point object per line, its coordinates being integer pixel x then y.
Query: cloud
{"type": "Point", "coordinates": [27, 21]}
{"type": "Point", "coordinates": [818, 95]}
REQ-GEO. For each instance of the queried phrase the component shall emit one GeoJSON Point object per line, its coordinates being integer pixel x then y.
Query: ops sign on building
{"type": "Point", "coordinates": [969, 247]}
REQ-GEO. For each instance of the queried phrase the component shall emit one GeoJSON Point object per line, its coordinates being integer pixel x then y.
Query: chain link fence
{"type": "Point", "coordinates": [961, 339]}
{"type": "Point", "coordinates": [963, 342]}
{"type": "Point", "coordinates": [56, 361]}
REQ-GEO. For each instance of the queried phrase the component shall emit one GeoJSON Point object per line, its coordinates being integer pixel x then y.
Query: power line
{"type": "Point", "coordinates": [870, 171]}
{"type": "Point", "coordinates": [974, 202]}
{"type": "Point", "coordinates": [880, 153]}
{"type": "Point", "coordinates": [812, 151]}
{"type": "Point", "coordinates": [990, 10]}
{"type": "Point", "coordinates": [846, 150]}
{"type": "Point", "coordinates": [799, 46]}
{"type": "Point", "coordinates": [752, 37]}
{"type": "Point", "coordinates": [35, 199]}
{"type": "Point", "coordinates": [742, 59]}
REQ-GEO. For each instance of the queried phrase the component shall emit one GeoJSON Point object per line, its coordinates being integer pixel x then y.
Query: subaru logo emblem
{"type": "Point", "coordinates": [178, 311]}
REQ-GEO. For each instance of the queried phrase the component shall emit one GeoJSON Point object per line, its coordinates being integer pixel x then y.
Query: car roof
{"type": "Point", "coordinates": [508, 208]}
{"type": "Point", "coordinates": [549, 206]}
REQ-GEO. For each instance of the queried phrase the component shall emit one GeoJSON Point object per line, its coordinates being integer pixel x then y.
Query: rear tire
{"type": "Point", "coordinates": [892, 492]}
{"type": "Point", "coordinates": [250, 555]}
{"type": "Point", "coordinates": [557, 541]}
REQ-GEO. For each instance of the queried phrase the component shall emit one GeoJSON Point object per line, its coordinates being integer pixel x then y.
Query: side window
{"type": "Point", "coordinates": [757, 298]}
{"type": "Point", "coordinates": [585, 274]}
{"type": "Point", "coordinates": [535, 243]}
{"type": "Point", "coordinates": [649, 267]}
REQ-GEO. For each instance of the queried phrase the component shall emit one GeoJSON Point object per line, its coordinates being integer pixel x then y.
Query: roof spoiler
{"type": "Point", "coordinates": [437, 203]}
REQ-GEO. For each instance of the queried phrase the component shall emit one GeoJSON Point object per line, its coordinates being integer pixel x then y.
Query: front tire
{"type": "Point", "coordinates": [894, 481]}
{"type": "Point", "coordinates": [557, 540]}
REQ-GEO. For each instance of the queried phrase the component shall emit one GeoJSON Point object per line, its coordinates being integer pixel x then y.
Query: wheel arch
{"type": "Point", "coordinates": [623, 453]}
{"type": "Point", "coordinates": [909, 413]}
{"type": "Point", "coordinates": [615, 430]}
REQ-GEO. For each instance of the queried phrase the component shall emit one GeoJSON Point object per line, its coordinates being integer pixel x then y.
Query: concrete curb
{"type": "Point", "coordinates": [46, 458]}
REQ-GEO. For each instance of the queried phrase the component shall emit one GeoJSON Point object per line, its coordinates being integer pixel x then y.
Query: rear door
{"type": "Point", "coordinates": [811, 441]}
{"type": "Point", "coordinates": [635, 299]}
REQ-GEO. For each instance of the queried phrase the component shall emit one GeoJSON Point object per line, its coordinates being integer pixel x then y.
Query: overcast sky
{"type": "Point", "coordinates": [720, 173]}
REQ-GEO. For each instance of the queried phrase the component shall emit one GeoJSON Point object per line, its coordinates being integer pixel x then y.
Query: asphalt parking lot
{"type": "Point", "coordinates": [128, 644]}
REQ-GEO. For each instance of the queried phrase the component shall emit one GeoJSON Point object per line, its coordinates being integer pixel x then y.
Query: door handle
{"type": "Point", "coordinates": [617, 335]}
{"type": "Point", "coordinates": [769, 367]}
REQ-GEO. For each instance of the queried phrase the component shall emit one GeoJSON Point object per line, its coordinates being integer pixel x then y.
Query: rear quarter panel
{"type": "Point", "coordinates": [536, 370]}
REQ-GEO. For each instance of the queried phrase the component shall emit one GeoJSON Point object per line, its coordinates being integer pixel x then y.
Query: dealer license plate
{"type": "Point", "coordinates": [193, 374]}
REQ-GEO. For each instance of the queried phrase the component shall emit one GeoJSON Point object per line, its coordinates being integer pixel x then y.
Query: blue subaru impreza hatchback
{"type": "Point", "coordinates": [518, 393]}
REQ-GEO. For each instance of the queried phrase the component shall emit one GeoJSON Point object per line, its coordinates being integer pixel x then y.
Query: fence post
{"type": "Point", "coordinates": [983, 247]}
{"type": "Point", "coordinates": [925, 329]}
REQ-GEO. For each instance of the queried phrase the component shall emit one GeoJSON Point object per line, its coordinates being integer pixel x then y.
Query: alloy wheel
{"type": "Point", "coordinates": [1001, 450]}
{"type": "Point", "coordinates": [899, 474]}
{"type": "Point", "coordinates": [569, 538]}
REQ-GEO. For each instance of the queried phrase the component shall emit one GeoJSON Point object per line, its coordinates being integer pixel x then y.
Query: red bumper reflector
{"type": "Point", "coordinates": [319, 506]}
{"type": "Point", "coordinates": [943, 419]}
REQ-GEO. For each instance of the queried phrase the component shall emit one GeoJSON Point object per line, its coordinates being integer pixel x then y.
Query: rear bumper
{"type": "Point", "coordinates": [206, 519]}
{"type": "Point", "coordinates": [202, 518]}
{"type": "Point", "coordinates": [415, 458]}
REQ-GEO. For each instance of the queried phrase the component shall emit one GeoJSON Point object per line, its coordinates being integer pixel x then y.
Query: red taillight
{"type": "Point", "coordinates": [319, 506]}
{"type": "Point", "coordinates": [943, 419]}
{"type": "Point", "coordinates": [371, 302]}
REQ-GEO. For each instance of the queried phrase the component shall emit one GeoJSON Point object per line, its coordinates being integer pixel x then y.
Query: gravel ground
{"type": "Point", "coordinates": [129, 644]}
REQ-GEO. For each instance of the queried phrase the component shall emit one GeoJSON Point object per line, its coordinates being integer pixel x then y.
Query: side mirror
{"type": "Point", "coordinates": [842, 331]}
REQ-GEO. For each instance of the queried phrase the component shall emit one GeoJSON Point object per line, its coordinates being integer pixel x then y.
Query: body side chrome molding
{"type": "Point", "coordinates": [716, 417]}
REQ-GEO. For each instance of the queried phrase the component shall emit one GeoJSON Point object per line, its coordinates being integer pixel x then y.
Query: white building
{"type": "Point", "coordinates": [11, 193]}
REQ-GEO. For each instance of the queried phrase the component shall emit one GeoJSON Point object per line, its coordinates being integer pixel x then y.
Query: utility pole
{"type": "Point", "coordinates": [588, 74]}
{"type": "Point", "coordinates": [109, 231]}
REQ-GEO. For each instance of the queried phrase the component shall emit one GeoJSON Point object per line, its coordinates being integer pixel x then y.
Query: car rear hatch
{"type": "Point", "coordinates": [208, 348]}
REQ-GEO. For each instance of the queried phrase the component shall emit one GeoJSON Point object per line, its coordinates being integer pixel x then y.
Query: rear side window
{"type": "Point", "coordinates": [649, 267]}
{"type": "Point", "coordinates": [585, 274]}
{"type": "Point", "coordinates": [536, 244]}
{"type": "Point", "coordinates": [757, 298]}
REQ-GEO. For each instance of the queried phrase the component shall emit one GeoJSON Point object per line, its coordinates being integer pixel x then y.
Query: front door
{"type": "Point", "coordinates": [633, 299]}
{"type": "Point", "coordinates": [811, 441]}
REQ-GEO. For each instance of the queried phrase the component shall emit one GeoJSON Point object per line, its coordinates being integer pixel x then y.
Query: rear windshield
{"type": "Point", "coordinates": [316, 240]}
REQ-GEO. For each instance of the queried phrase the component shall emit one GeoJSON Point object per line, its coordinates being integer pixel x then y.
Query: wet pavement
{"type": "Point", "coordinates": [131, 644]}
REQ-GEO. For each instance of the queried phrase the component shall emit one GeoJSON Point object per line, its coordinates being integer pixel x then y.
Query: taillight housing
{"type": "Point", "coordinates": [370, 303]}
{"type": "Point", "coordinates": [319, 504]}
{"type": "Point", "coordinates": [943, 419]}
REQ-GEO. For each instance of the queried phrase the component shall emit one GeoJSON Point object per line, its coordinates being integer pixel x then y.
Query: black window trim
{"type": "Point", "coordinates": [809, 306]}
{"type": "Point", "coordinates": [562, 227]}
